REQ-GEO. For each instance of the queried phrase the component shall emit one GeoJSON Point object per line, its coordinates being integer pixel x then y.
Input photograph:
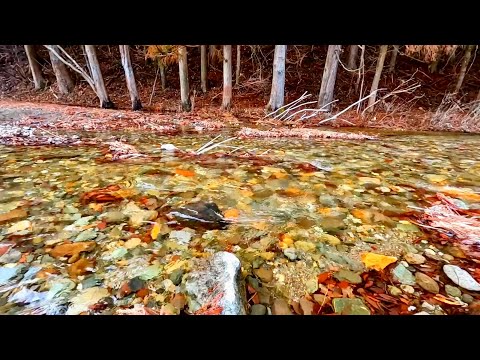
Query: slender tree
{"type": "Point", "coordinates": [277, 94]}
{"type": "Point", "coordinates": [329, 76]}
{"type": "Point", "coordinates": [203, 67]}
{"type": "Point", "coordinates": [97, 77]}
{"type": "Point", "coordinates": [376, 78]}
{"type": "Point", "coordinates": [352, 57]}
{"type": "Point", "coordinates": [237, 65]}
{"type": "Point", "coordinates": [463, 69]}
{"type": "Point", "coordinates": [38, 79]}
{"type": "Point", "coordinates": [184, 86]}
{"type": "Point", "coordinates": [393, 59]}
{"type": "Point", "coordinates": [64, 81]}
{"type": "Point", "coordinates": [130, 77]}
{"type": "Point", "coordinates": [227, 77]}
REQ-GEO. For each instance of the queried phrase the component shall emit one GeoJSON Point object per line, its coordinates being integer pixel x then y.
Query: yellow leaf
{"type": "Point", "coordinates": [231, 214]}
{"type": "Point", "coordinates": [155, 231]}
{"type": "Point", "coordinates": [376, 261]}
{"type": "Point", "coordinates": [267, 255]}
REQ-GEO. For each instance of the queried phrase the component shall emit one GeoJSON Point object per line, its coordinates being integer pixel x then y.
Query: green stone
{"type": "Point", "coordinates": [346, 306]}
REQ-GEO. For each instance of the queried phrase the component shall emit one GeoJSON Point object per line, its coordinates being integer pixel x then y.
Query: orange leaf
{"type": "Point", "coordinates": [377, 261]}
{"type": "Point", "coordinates": [323, 277]}
{"type": "Point", "coordinates": [186, 173]}
{"type": "Point", "coordinates": [102, 225]}
{"type": "Point", "coordinates": [446, 300]}
{"type": "Point", "coordinates": [23, 258]}
{"type": "Point", "coordinates": [343, 284]}
{"type": "Point", "coordinates": [231, 214]}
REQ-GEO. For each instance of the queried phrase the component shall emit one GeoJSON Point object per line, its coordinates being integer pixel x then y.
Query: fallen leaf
{"type": "Point", "coordinates": [323, 277]}
{"type": "Point", "coordinates": [81, 267]}
{"type": "Point", "coordinates": [449, 301]}
{"type": "Point", "coordinates": [155, 231]}
{"type": "Point", "coordinates": [12, 215]}
{"type": "Point", "coordinates": [231, 214]}
{"type": "Point", "coordinates": [377, 261]}
{"type": "Point", "coordinates": [72, 249]}
{"type": "Point", "coordinates": [102, 225]}
{"type": "Point", "coordinates": [132, 243]}
{"type": "Point", "coordinates": [186, 173]}
{"type": "Point", "coordinates": [20, 226]}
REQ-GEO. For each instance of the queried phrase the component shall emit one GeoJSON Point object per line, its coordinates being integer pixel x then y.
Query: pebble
{"type": "Point", "coordinates": [114, 217]}
{"type": "Point", "coordinates": [264, 274]}
{"type": "Point", "coordinates": [290, 253]}
{"type": "Point", "coordinates": [453, 291]}
{"type": "Point", "coordinates": [429, 253]}
{"type": "Point", "coordinates": [281, 307]}
{"type": "Point", "coordinates": [447, 257]}
{"type": "Point", "coordinates": [428, 306]}
{"type": "Point", "coordinates": [258, 309]}
{"type": "Point", "coordinates": [12, 256]}
{"type": "Point", "coordinates": [403, 275]}
{"type": "Point", "coordinates": [394, 291]}
{"type": "Point", "coordinates": [461, 278]}
{"type": "Point", "coordinates": [427, 283]}
{"type": "Point", "coordinates": [467, 298]}
{"type": "Point", "coordinates": [407, 289]}
{"type": "Point", "coordinates": [474, 307]}
{"type": "Point", "coordinates": [347, 275]}
{"type": "Point", "coordinates": [176, 276]}
{"type": "Point", "coordinates": [414, 259]}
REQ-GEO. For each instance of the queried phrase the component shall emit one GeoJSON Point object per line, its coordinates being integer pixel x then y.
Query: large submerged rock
{"type": "Point", "coordinates": [217, 280]}
{"type": "Point", "coordinates": [199, 215]}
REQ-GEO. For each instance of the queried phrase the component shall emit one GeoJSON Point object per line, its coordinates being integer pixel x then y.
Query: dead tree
{"type": "Point", "coordinates": [329, 76]}
{"type": "Point", "coordinates": [184, 86]}
{"type": "Point", "coordinates": [277, 94]}
{"type": "Point", "coordinates": [376, 78]}
{"type": "Point", "coordinates": [237, 65]}
{"type": "Point", "coordinates": [38, 79]}
{"type": "Point", "coordinates": [463, 69]}
{"type": "Point", "coordinates": [393, 59]}
{"type": "Point", "coordinates": [203, 67]}
{"type": "Point", "coordinates": [94, 67]}
{"type": "Point", "coordinates": [130, 77]}
{"type": "Point", "coordinates": [227, 77]}
{"type": "Point", "coordinates": [352, 57]}
{"type": "Point", "coordinates": [64, 81]}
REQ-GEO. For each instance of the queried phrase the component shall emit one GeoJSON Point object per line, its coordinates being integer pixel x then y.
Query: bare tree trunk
{"type": "Point", "coordinates": [277, 94]}
{"type": "Point", "coordinates": [352, 57]}
{"type": "Point", "coordinates": [163, 79]}
{"type": "Point", "coordinates": [378, 74]}
{"type": "Point", "coordinates": [38, 79]}
{"type": "Point", "coordinates": [478, 96]}
{"type": "Point", "coordinates": [184, 86]}
{"type": "Point", "coordinates": [130, 77]}
{"type": "Point", "coordinates": [393, 59]}
{"type": "Point", "coordinates": [64, 81]}
{"type": "Point", "coordinates": [237, 65]}
{"type": "Point", "coordinates": [329, 77]}
{"type": "Point", "coordinates": [203, 66]}
{"type": "Point", "coordinates": [105, 102]}
{"type": "Point", "coordinates": [463, 69]}
{"type": "Point", "coordinates": [227, 77]}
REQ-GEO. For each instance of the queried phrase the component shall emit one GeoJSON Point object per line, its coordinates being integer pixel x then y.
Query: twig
{"type": "Point", "coordinates": [153, 88]}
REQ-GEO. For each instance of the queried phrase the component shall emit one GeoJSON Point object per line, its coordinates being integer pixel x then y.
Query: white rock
{"type": "Point", "coordinates": [183, 236]}
{"type": "Point", "coordinates": [430, 252]}
{"type": "Point", "coordinates": [168, 147]}
{"type": "Point", "coordinates": [428, 306]}
{"type": "Point", "coordinates": [461, 277]}
{"type": "Point", "coordinates": [222, 273]}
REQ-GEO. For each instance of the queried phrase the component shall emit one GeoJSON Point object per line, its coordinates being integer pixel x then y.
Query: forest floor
{"type": "Point", "coordinates": [425, 109]}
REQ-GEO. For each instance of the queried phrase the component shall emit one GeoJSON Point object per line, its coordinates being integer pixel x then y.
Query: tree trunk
{"type": "Point", "coordinates": [130, 77]}
{"type": "Point", "coordinates": [227, 77]}
{"type": "Point", "coordinates": [352, 57]}
{"type": "Point", "coordinates": [237, 65]}
{"type": "Point", "coordinates": [277, 94]}
{"type": "Point", "coordinates": [184, 87]}
{"type": "Point", "coordinates": [163, 79]}
{"type": "Point", "coordinates": [203, 66]}
{"type": "Point", "coordinates": [478, 96]}
{"type": "Point", "coordinates": [105, 102]}
{"type": "Point", "coordinates": [463, 69]}
{"type": "Point", "coordinates": [38, 79]}
{"type": "Point", "coordinates": [378, 74]}
{"type": "Point", "coordinates": [393, 59]}
{"type": "Point", "coordinates": [64, 81]}
{"type": "Point", "coordinates": [329, 77]}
